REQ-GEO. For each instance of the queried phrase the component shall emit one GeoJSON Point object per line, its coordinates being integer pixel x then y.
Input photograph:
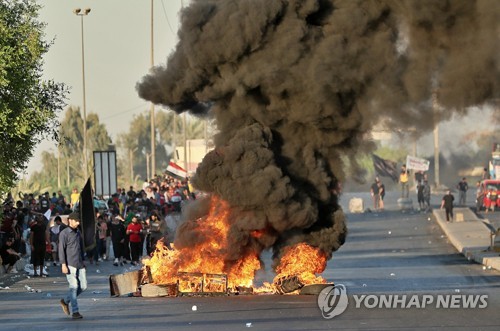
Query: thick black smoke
{"type": "Point", "coordinates": [294, 86]}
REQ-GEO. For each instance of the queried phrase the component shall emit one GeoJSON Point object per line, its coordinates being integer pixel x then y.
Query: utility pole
{"type": "Point", "coordinates": [435, 107]}
{"type": "Point", "coordinates": [67, 172]}
{"type": "Point", "coordinates": [184, 136]}
{"type": "Point", "coordinates": [148, 155]}
{"type": "Point", "coordinates": [131, 162]}
{"type": "Point", "coordinates": [153, 135]}
{"type": "Point", "coordinates": [85, 12]}
{"type": "Point", "coordinates": [58, 166]}
{"type": "Point", "coordinates": [174, 136]}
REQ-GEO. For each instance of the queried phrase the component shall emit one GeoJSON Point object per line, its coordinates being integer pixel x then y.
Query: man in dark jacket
{"type": "Point", "coordinates": [447, 204]}
{"type": "Point", "coordinates": [71, 250]}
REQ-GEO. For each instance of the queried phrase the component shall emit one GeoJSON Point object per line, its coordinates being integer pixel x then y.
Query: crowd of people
{"type": "Point", "coordinates": [131, 223]}
{"type": "Point", "coordinates": [423, 191]}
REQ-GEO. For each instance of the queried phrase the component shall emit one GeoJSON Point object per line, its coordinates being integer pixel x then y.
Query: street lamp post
{"type": "Point", "coordinates": [82, 13]}
{"type": "Point", "coordinates": [153, 135]}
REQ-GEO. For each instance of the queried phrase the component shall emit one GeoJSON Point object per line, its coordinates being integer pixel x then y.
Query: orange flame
{"type": "Point", "coordinates": [304, 261]}
{"type": "Point", "coordinates": [207, 256]}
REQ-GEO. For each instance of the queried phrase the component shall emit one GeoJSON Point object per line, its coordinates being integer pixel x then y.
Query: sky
{"type": "Point", "coordinates": [118, 54]}
{"type": "Point", "coordinates": [117, 43]}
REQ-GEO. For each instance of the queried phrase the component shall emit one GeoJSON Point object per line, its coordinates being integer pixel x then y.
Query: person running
{"type": "Point", "coordinates": [71, 250]}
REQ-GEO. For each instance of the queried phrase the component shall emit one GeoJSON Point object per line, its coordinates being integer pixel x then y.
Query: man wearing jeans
{"type": "Point", "coordinates": [71, 250]}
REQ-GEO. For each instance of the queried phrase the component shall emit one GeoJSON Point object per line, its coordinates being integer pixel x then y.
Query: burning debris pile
{"type": "Point", "coordinates": [199, 268]}
{"type": "Point", "coordinates": [294, 86]}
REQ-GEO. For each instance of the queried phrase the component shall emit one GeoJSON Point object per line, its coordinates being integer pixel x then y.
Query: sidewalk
{"type": "Point", "coordinates": [469, 235]}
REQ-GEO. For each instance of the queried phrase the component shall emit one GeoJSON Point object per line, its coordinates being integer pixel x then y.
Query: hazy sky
{"type": "Point", "coordinates": [117, 56]}
{"type": "Point", "coordinates": [117, 41]}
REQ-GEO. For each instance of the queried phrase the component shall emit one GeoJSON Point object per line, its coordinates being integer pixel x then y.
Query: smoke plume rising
{"type": "Point", "coordinates": [295, 84]}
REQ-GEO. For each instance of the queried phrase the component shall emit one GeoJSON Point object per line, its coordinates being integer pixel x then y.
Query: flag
{"type": "Point", "coordinates": [385, 168]}
{"type": "Point", "coordinates": [176, 171]}
{"type": "Point", "coordinates": [87, 215]}
{"type": "Point", "coordinates": [416, 163]}
{"type": "Point", "coordinates": [47, 214]}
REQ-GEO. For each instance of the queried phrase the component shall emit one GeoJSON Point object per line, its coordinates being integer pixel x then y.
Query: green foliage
{"type": "Point", "coordinates": [63, 169]}
{"type": "Point", "coordinates": [29, 105]}
{"type": "Point", "coordinates": [64, 166]}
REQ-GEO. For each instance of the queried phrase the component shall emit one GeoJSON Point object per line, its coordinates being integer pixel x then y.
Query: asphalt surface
{"type": "Point", "coordinates": [386, 253]}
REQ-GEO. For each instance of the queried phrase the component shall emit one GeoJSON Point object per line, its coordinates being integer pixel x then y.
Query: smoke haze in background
{"type": "Point", "coordinates": [294, 86]}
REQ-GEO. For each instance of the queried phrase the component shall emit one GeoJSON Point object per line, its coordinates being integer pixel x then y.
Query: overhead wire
{"type": "Point", "coordinates": [166, 17]}
{"type": "Point", "coordinates": [126, 111]}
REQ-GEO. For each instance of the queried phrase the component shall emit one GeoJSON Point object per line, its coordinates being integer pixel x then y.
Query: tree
{"type": "Point", "coordinates": [64, 166]}
{"type": "Point", "coordinates": [128, 144]}
{"type": "Point", "coordinates": [71, 136]}
{"type": "Point", "coordinates": [28, 104]}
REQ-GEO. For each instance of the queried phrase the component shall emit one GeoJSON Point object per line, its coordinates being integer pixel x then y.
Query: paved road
{"type": "Point", "coordinates": [386, 253]}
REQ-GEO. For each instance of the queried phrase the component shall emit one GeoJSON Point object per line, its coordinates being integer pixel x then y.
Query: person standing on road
{"type": "Point", "coordinates": [447, 204]}
{"type": "Point", "coordinates": [479, 196]}
{"type": "Point", "coordinates": [375, 194]}
{"type": "Point", "coordinates": [117, 230]}
{"type": "Point", "coordinates": [39, 238]}
{"type": "Point", "coordinates": [54, 237]}
{"type": "Point", "coordinates": [427, 194]}
{"type": "Point", "coordinates": [403, 179]}
{"type": "Point", "coordinates": [462, 187]}
{"type": "Point", "coordinates": [134, 230]}
{"type": "Point", "coordinates": [71, 249]}
{"type": "Point", "coordinates": [158, 230]}
{"type": "Point", "coordinates": [486, 174]}
{"type": "Point", "coordinates": [381, 193]}
{"type": "Point", "coordinates": [420, 196]}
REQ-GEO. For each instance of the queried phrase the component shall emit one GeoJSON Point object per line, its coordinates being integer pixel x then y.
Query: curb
{"type": "Point", "coordinates": [470, 236]}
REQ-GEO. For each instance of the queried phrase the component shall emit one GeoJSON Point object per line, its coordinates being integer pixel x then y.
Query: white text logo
{"type": "Point", "coordinates": [332, 300]}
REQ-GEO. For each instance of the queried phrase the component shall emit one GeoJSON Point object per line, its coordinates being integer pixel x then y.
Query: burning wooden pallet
{"type": "Point", "coordinates": [197, 283]}
{"type": "Point", "coordinates": [200, 284]}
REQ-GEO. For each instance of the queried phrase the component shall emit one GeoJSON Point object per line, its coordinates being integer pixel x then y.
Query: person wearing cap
{"type": "Point", "coordinates": [134, 231]}
{"type": "Point", "coordinates": [9, 255]}
{"type": "Point", "coordinates": [71, 249]}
